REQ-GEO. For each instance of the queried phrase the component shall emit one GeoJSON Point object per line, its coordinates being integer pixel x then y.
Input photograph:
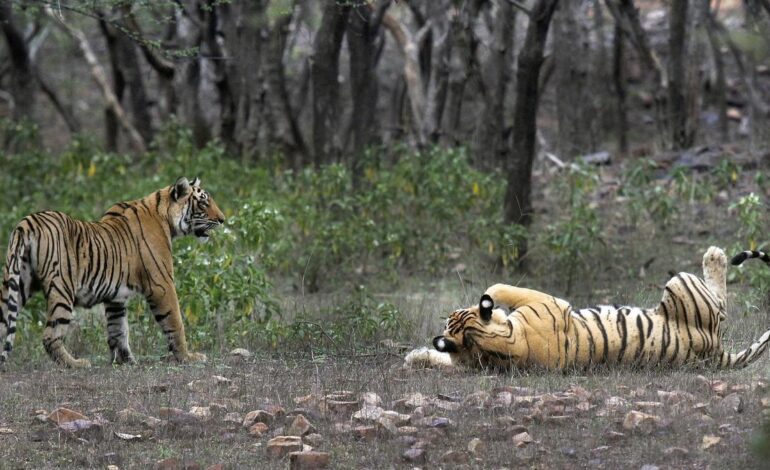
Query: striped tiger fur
{"type": "Point", "coordinates": [127, 252]}
{"type": "Point", "coordinates": [542, 330]}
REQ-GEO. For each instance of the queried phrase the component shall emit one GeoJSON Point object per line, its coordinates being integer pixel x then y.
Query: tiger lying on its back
{"type": "Point", "coordinates": [127, 252]}
{"type": "Point", "coordinates": [542, 330]}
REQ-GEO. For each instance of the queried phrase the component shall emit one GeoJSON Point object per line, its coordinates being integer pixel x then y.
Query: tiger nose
{"type": "Point", "coordinates": [220, 219]}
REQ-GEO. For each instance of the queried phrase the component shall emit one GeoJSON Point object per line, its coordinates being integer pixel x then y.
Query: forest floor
{"type": "Point", "coordinates": [169, 416]}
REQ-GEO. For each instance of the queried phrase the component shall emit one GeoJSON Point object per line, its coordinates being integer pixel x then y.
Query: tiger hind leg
{"type": "Point", "coordinates": [15, 291]}
{"type": "Point", "coordinates": [117, 333]}
{"type": "Point", "coordinates": [59, 318]}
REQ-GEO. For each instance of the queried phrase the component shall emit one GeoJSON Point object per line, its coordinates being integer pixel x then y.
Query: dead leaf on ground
{"type": "Point", "coordinates": [127, 437]}
{"type": "Point", "coordinates": [710, 441]}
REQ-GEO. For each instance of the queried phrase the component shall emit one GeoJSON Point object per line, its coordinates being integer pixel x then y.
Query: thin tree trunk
{"type": "Point", "coordinates": [222, 80]}
{"type": "Point", "coordinates": [438, 85]}
{"type": "Point", "coordinates": [461, 57]}
{"type": "Point", "coordinates": [22, 72]}
{"type": "Point", "coordinates": [361, 35]}
{"type": "Point", "coordinates": [111, 125]}
{"type": "Point", "coordinates": [283, 124]}
{"type": "Point", "coordinates": [679, 127]}
{"type": "Point", "coordinates": [324, 72]}
{"type": "Point", "coordinates": [490, 144]}
{"type": "Point", "coordinates": [618, 80]}
{"type": "Point", "coordinates": [573, 102]}
{"type": "Point", "coordinates": [719, 93]}
{"type": "Point", "coordinates": [518, 200]}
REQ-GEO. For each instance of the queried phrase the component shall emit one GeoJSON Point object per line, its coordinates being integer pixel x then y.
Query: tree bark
{"type": "Point", "coordinates": [619, 84]}
{"type": "Point", "coordinates": [324, 71]}
{"type": "Point", "coordinates": [573, 100]}
{"type": "Point", "coordinates": [111, 125]}
{"type": "Point", "coordinates": [518, 200]}
{"type": "Point", "coordinates": [490, 143]}
{"type": "Point", "coordinates": [719, 92]}
{"type": "Point", "coordinates": [680, 128]}
{"type": "Point", "coordinates": [22, 72]}
{"type": "Point", "coordinates": [362, 32]}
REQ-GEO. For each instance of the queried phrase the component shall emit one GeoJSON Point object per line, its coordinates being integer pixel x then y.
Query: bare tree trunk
{"type": "Point", "coordinates": [618, 81]}
{"type": "Point", "coordinates": [22, 73]}
{"type": "Point", "coordinates": [518, 199]}
{"type": "Point", "coordinates": [223, 81]}
{"type": "Point", "coordinates": [680, 127]}
{"type": "Point", "coordinates": [719, 92]}
{"type": "Point", "coordinates": [188, 79]}
{"type": "Point", "coordinates": [490, 144]}
{"type": "Point", "coordinates": [111, 125]}
{"type": "Point", "coordinates": [283, 123]}
{"type": "Point", "coordinates": [362, 32]}
{"type": "Point", "coordinates": [324, 71]}
{"type": "Point", "coordinates": [573, 102]}
{"type": "Point", "coordinates": [461, 57]}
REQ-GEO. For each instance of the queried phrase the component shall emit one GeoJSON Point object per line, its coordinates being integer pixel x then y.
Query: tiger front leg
{"type": "Point", "coordinates": [58, 320]}
{"type": "Point", "coordinates": [165, 310]}
{"type": "Point", "coordinates": [117, 333]}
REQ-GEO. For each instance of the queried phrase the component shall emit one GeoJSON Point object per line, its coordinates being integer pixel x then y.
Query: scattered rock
{"type": "Point", "coordinates": [613, 436]}
{"type": "Point", "coordinates": [476, 446]}
{"type": "Point", "coordinates": [569, 452]}
{"type": "Point", "coordinates": [240, 352]}
{"type": "Point", "coordinates": [299, 426]}
{"type": "Point", "coordinates": [368, 414]}
{"type": "Point", "coordinates": [732, 403]}
{"type": "Point", "coordinates": [202, 412]}
{"type": "Point", "coordinates": [221, 381]}
{"type": "Point", "coordinates": [648, 466]}
{"type": "Point", "coordinates": [6, 431]}
{"type": "Point", "coordinates": [258, 429]}
{"type": "Point", "coordinates": [177, 416]}
{"type": "Point", "coordinates": [281, 446]}
{"type": "Point", "coordinates": [371, 399]}
{"type": "Point", "coordinates": [414, 455]}
{"type": "Point", "coordinates": [676, 452]}
{"type": "Point", "coordinates": [167, 464]}
{"type": "Point", "coordinates": [522, 439]}
{"type": "Point", "coordinates": [342, 407]}
{"type": "Point", "coordinates": [407, 430]}
{"type": "Point", "coordinates": [476, 399]}
{"type": "Point", "coordinates": [441, 423]}
{"type": "Point", "coordinates": [233, 417]}
{"type": "Point", "coordinates": [386, 426]}
{"type": "Point", "coordinates": [60, 416]}
{"type": "Point", "coordinates": [710, 441]}
{"type": "Point", "coordinates": [198, 386]}
{"type": "Point", "coordinates": [364, 433]}
{"type": "Point", "coordinates": [454, 457]}
{"type": "Point", "coordinates": [257, 416]}
{"type": "Point", "coordinates": [308, 460]}
{"type": "Point", "coordinates": [638, 421]}
{"type": "Point", "coordinates": [314, 439]}
{"type": "Point", "coordinates": [127, 437]}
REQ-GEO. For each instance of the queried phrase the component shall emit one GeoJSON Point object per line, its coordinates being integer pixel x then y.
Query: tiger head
{"type": "Point", "coordinates": [478, 336]}
{"type": "Point", "coordinates": [192, 210]}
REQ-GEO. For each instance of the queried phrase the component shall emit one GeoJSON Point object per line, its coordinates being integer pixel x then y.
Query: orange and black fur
{"type": "Point", "coordinates": [127, 252]}
{"type": "Point", "coordinates": [514, 327]}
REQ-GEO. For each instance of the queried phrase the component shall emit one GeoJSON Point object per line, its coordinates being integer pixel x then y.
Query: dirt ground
{"type": "Point", "coordinates": [692, 419]}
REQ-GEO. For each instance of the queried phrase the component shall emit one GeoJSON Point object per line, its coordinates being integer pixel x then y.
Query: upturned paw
{"type": "Point", "coordinates": [79, 363]}
{"type": "Point", "coordinates": [714, 259]}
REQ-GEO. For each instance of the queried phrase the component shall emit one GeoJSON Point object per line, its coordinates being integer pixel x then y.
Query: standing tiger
{"type": "Point", "coordinates": [542, 330]}
{"type": "Point", "coordinates": [127, 252]}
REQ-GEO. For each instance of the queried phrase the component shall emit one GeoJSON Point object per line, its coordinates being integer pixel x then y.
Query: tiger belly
{"type": "Point", "coordinates": [627, 335]}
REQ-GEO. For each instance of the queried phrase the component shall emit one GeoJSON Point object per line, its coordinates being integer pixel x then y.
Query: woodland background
{"type": "Point", "coordinates": [381, 163]}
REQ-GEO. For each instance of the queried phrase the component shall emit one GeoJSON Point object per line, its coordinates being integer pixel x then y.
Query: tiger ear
{"type": "Point", "coordinates": [485, 307]}
{"type": "Point", "coordinates": [196, 182]}
{"type": "Point", "coordinates": [180, 189]}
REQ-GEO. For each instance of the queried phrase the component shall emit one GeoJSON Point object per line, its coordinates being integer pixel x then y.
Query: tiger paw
{"type": "Point", "coordinates": [79, 363]}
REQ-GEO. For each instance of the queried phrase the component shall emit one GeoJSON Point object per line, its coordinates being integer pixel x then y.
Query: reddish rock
{"type": "Point", "coordinates": [257, 416]}
{"type": "Point", "coordinates": [342, 407]}
{"type": "Point", "coordinates": [299, 426]}
{"type": "Point", "coordinates": [258, 429]}
{"type": "Point", "coordinates": [522, 439]}
{"type": "Point", "coordinates": [365, 433]}
{"type": "Point", "coordinates": [454, 457]}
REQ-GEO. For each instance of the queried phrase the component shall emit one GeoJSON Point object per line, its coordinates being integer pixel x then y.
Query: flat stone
{"type": "Point", "coordinates": [258, 429]}
{"type": "Point", "coordinates": [368, 414]}
{"type": "Point", "coordinates": [454, 457]}
{"type": "Point", "coordinates": [364, 433]}
{"type": "Point", "coordinates": [240, 352]}
{"type": "Point", "coordinates": [414, 455]}
{"type": "Point", "coordinates": [257, 416]}
{"type": "Point", "coordinates": [299, 426]}
{"type": "Point", "coordinates": [522, 439]}
{"type": "Point", "coordinates": [476, 446]}
{"type": "Point", "coordinates": [281, 446]}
